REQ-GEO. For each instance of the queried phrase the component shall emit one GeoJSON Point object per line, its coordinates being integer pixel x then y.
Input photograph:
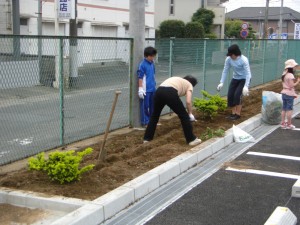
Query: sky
{"type": "Point", "coordinates": [234, 4]}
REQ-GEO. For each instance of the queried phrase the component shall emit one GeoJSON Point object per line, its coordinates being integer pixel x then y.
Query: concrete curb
{"type": "Point", "coordinates": [34, 200]}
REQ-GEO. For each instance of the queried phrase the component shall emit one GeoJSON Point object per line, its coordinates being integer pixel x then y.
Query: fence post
{"type": "Point", "coordinates": [249, 49]}
{"type": "Point", "coordinates": [171, 62]}
{"type": "Point", "coordinates": [264, 54]}
{"type": "Point", "coordinates": [61, 91]}
{"type": "Point", "coordinates": [204, 64]}
{"type": "Point", "coordinates": [171, 56]}
{"type": "Point", "coordinates": [131, 84]}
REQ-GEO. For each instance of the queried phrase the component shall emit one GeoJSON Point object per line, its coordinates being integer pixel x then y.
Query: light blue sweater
{"type": "Point", "coordinates": [241, 69]}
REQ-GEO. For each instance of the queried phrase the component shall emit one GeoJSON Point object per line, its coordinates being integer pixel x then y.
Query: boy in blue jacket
{"type": "Point", "coordinates": [147, 84]}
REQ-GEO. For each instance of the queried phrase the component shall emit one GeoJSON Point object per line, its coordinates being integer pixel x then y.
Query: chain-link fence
{"type": "Point", "coordinates": [58, 90]}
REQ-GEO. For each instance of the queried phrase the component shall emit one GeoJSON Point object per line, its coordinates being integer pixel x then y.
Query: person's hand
{"type": "Point", "coordinates": [245, 91]}
{"type": "Point", "coordinates": [219, 86]}
{"type": "Point", "coordinates": [192, 118]}
{"type": "Point", "coordinates": [141, 93]}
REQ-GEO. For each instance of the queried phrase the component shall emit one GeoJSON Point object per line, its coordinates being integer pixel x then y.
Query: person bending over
{"type": "Point", "coordinates": [169, 93]}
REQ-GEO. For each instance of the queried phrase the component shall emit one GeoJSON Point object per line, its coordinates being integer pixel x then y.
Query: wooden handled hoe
{"type": "Point", "coordinates": [102, 152]}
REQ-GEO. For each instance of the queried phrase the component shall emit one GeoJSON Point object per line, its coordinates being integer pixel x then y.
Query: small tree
{"type": "Point", "coordinates": [171, 28]}
{"type": "Point", "coordinates": [234, 27]}
{"type": "Point", "coordinates": [205, 17]}
{"type": "Point", "coordinates": [194, 30]}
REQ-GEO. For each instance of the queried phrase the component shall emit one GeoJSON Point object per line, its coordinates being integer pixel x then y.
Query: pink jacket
{"type": "Point", "coordinates": [288, 85]}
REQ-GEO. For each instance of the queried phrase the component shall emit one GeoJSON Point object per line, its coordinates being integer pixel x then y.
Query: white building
{"type": "Point", "coordinates": [184, 10]}
{"type": "Point", "coordinates": [96, 18]}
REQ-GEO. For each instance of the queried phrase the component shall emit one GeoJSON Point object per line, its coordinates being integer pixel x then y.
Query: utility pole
{"type": "Point", "coordinates": [280, 21]}
{"type": "Point", "coordinates": [136, 31]}
{"type": "Point", "coordinates": [73, 49]}
{"type": "Point", "coordinates": [265, 36]}
{"type": "Point", "coordinates": [16, 27]}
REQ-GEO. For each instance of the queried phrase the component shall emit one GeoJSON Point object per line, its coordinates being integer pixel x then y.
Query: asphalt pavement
{"type": "Point", "coordinates": [245, 191]}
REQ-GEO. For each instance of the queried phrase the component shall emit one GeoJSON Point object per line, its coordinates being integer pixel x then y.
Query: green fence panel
{"type": "Point", "coordinates": [63, 91]}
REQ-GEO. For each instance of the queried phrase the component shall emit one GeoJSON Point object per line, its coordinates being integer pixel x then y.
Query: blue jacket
{"type": "Point", "coordinates": [146, 71]}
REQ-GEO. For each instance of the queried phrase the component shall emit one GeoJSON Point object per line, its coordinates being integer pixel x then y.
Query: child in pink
{"type": "Point", "coordinates": [288, 93]}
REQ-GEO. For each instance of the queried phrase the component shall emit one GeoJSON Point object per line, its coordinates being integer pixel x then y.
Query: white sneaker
{"type": "Point", "coordinates": [290, 127]}
{"type": "Point", "coordinates": [197, 141]}
{"type": "Point", "coordinates": [144, 142]}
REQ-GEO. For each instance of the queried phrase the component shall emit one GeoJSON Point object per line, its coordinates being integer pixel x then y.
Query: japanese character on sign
{"type": "Point", "coordinates": [297, 31]}
{"type": "Point", "coordinates": [64, 9]}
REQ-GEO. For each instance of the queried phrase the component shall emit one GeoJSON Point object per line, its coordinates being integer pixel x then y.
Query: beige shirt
{"type": "Point", "coordinates": [180, 84]}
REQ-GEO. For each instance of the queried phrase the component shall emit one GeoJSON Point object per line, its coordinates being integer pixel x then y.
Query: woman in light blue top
{"type": "Point", "coordinates": [239, 85]}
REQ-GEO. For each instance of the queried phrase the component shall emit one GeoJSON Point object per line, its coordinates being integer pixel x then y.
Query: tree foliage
{"type": "Point", "coordinates": [233, 29]}
{"type": "Point", "coordinates": [172, 28]}
{"type": "Point", "coordinates": [194, 30]}
{"type": "Point", "coordinates": [205, 17]}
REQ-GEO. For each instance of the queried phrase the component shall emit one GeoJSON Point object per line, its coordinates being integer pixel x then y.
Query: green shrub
{"type": "Point", "coordinates": [210, 105]}
{"type": "Point", "coordinates": [210, 36]}
{"type": "Point", "coordinates": [61, 166]}
{"type": "Point", "coordinates": [210, 133]}
{"type": "Point", "coordinates": [171, 28]}
{"type": "Point", "coordinates": [194, 30]}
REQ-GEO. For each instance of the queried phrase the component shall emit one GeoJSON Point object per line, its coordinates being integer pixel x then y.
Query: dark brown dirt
{"type": "Point", "coordinates": [128, 158]}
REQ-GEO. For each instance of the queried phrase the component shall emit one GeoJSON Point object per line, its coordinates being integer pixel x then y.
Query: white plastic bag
{"type": "Point", "coordinates": [241, 136]}
{"type": "Point", "coordinates": [271, 107]}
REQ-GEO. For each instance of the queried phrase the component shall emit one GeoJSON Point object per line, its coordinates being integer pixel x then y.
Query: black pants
{"type": "Point", "coordinates": [169, 96]}
{"type": "Point", "coordinates": [235, 91]}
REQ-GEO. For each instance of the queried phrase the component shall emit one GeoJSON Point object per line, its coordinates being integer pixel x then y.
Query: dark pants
{"type": "Point", "coordinates": [169, 96]}
{"type": "Point", "coordinates": [235, 92]}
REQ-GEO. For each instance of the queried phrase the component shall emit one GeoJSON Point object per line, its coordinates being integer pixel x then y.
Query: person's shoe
{"type": "Point", "coordinates": [290, 127]}
{"type": "Point", "coordinates": [197, 141]}
{"type": "Point", "coordinates": [145, 141]}
{"type": "Point", "coordinates": [283, 126]}
{"type": "Point", "coordinates": [230, 116]}
{"type": "Point", "coordinates": [235, 117]}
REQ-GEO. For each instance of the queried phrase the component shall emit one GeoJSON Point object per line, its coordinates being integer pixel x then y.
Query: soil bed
{"type": "Point", "coordinates": [128, 158]}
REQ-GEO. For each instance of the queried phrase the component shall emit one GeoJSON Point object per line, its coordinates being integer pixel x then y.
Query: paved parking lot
{"type": "Point", "coordinates": [245, 191]}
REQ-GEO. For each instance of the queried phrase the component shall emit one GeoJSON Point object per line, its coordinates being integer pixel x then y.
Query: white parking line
{"type": "Point", "coordinates": [262, 172]}
{"type": "Point", "coordinates": [274, 155]}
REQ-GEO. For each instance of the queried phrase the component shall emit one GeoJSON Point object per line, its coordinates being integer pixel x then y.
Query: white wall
{"type": "Point", "coordinates": [183, 10]}
{"type": "Point", "coordinates": [5, 17]}
{"type": "Point", "coordinates": [99, 18]}
{"type": "Point", "coordinates": [106, 12]}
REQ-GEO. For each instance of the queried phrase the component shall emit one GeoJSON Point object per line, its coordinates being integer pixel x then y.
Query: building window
{"type": "Point", "coordinates": [146, 2]}
{"type": "Point", "coordinates": [79, 25]}
{"type": "Point", "coordinates": [23, 21]}
{"type": "Point", "coordinates": [172, 7]}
